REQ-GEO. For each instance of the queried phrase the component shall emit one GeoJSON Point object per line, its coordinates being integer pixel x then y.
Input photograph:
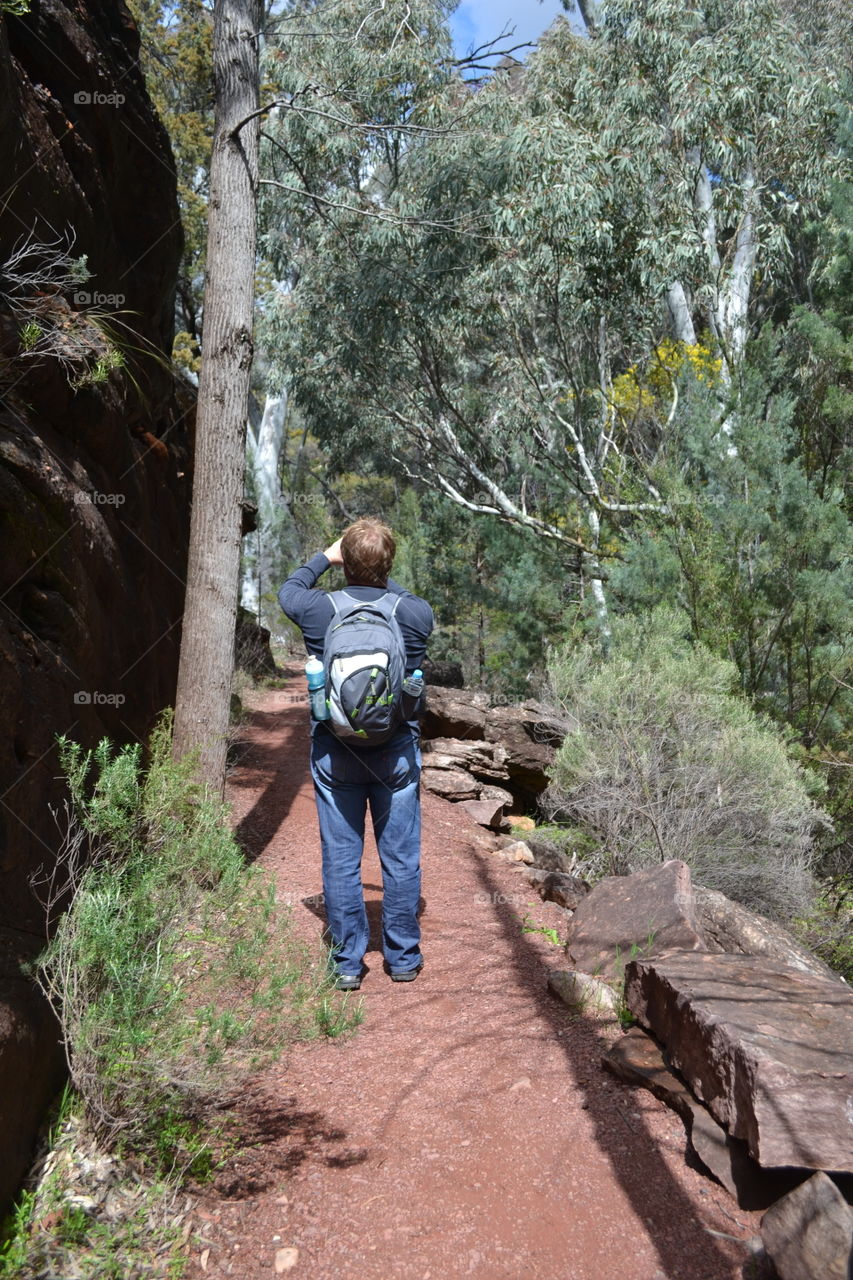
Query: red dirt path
{"type": "Point", "coordinates": [467, 1128]}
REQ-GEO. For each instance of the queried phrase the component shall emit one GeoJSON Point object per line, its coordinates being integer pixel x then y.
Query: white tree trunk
{"type": "Point", "coordinates": [263, 452]}
{"type": "Point", "coordinates": [679, 310]}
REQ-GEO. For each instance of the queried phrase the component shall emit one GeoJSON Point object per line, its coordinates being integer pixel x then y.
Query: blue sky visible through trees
{"type": "Point", "coordinates": [476, 21]}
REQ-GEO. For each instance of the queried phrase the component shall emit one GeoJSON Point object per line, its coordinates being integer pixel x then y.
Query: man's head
{"type": "Point", "coordinates": [368, 548]}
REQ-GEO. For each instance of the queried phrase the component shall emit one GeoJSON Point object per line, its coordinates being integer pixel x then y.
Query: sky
{"type": "Point", "coordinates": [476, 21]}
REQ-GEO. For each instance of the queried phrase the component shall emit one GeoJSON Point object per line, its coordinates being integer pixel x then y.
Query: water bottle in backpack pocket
{"type": "Point", "coordinates": [316, 677]}
{"type": "Point", "coordinates": [413, 690]}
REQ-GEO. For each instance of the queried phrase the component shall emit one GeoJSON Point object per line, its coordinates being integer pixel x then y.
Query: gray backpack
{"type": "Point", "coordinates": [365, 660]}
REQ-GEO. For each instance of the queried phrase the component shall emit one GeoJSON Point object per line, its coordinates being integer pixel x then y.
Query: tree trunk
{"type": "Point", "coordinates": [207, 646]}
{"type": "Point", "coordinates": [263, 456]}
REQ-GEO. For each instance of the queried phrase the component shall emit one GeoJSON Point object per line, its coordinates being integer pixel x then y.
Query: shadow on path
{"type": "Point", "coordinates": [631, 1150]}
{"type": "Point", "coordinates": [279, 763]}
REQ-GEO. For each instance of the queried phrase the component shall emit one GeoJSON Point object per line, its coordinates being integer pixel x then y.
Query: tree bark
{"type": "Point", "coordinates": [207, 646]}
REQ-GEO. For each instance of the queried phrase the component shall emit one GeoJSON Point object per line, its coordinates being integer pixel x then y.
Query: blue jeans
{"type": "Point", "coordinates": [346, 780]}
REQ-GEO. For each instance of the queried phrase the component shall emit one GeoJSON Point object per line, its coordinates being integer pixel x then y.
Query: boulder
{"type": "Point", "coordinates": [582, 991]}
{"type": "Point", "coordinates": [530, 734]}
{"type": "Point", "coordinates": [549, 856]}
{"type": "Point", "coordinates": [484, 760]}
{"type": "Point", "coordinates": [566, 891]}
{"type": "Point", "coordinates": [638, 1059]}
{"type": "Point", "coordinates": [252, 650]}
{"type": "Point", "coordinates": [808, 1234]}
{"type": "Point", "coordinates": [452, 784]}
{"type": "Point", "coordinates": [727, 926]}
{"type": "Point", "coordinates": [488, 810]}
{"type": "Point", "coordinates": [767, 1047]}
{"type": "Point", "coordinates": [486, 813]}
{"type": "Point", "coordinates": [516, 852]}
{"type": "Point", "coordinates": [454, 713]}
{"type": "Point", "coordinates": [646, 913]}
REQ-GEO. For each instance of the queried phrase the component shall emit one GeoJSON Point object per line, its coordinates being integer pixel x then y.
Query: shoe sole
{"type": "Point", "coordinates": [408, 976]}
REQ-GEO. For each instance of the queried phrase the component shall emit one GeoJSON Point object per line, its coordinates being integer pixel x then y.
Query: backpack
{"type": "Point", "coordinates": [364, 655]}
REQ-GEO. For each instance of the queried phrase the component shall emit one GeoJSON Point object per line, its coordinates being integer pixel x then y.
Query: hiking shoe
{"type": "Point", "coordinates": [348, 982]}
{"type": "Point", "coordinates": [407, 975]}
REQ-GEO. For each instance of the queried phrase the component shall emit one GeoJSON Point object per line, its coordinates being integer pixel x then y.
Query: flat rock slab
{"type": "Point", "coordinates": [767, 1047]}
{"type": "Point", "coordinates": [638, 1059]}
{"type": "Point", "coordinates": [645, 913]}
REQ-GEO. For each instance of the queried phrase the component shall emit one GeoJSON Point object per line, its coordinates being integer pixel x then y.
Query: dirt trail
{"type": "Point", "coordinates": [467, 1128]}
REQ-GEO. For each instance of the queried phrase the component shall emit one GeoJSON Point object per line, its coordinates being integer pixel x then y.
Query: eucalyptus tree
{"type": "Point", "coordinates": [482, 304]}
{"type": "Point", "coordinates": [202, 702]}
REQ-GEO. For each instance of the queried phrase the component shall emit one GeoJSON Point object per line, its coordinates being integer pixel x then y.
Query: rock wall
{"type": "Point", "coordinates": [94, 441]}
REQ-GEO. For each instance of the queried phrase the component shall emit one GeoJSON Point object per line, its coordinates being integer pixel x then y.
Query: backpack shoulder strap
{"type": "Point", "coordinates": [341, 600]}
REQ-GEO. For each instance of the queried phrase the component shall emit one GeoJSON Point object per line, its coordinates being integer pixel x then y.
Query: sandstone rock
{"type": "Point", "coordinates": [637, 1058]}
{"type": "Point", "coordinates": [581, 991]}
{"type": "Point", "coordinates": [32, 1064]}
{"type": "Point", "coordinates": [452, 784]}
{"type": "Point", "coordinates": [530, 733]}
{"type": "Point", "coordinates": [767, 1048]}
{"type": "Point", "coordinates": [516, 852]}
{"type": "Point", "coordinates": [252, 650]}
{"type": "Point", "coordinates": [521, 822]}
{"type": "Point", "coordinates": [488, 813]}
{"type": "Point", "coordinates": [727, 926]}
{"type": "Point", "coordinates": [483, 760]}
{"type": "Point", "coordinates": [809, 1233]}
{"type": "Point", "coordinates": [649, 912]}
{"type": "Point", "coordinates": [452, 713]}
{"type": "Point", "coordinates": [566, 891]}
{"type": "Point", "coordinates": [95, 480]}
{"type": "Point", "coordinates": [549, 856]}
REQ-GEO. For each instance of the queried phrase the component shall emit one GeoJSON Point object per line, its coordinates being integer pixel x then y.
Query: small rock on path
{"type": "Point", "coordinates": [467, 1128]}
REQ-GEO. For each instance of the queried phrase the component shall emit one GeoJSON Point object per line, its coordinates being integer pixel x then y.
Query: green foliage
{"type": "Point", "coordinates": [84, 1214]}
{"type": "Point", "coordinates": [469, 304]}
{"type": "Point", "coordinates": [662, 760]}
{"type": "Point", "coordinates": [174, 971]}
{"type": "Point", "coordinates": [177, 61]}
{"type": "Point", "coordinates": [528, 926]}
{"type": "Point", "coordinates": [828, 927]}
{"type": "Point", "coordinates": [756, 549]}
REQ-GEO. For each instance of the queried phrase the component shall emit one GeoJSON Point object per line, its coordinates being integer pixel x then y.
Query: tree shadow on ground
{"type": "Point", "coordinates": [280, 764]}
{"type": "Point", "coordinates": [631, 1150]}
{"type": "Point", "coordinates": [274, 1138]}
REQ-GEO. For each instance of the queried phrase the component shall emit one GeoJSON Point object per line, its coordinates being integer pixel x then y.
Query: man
{"type": "Point", "coordinates": [348, 778]}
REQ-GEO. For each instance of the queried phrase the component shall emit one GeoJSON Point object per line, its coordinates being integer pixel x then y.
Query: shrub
{"type": "Point", "coordinates": [663, 760]}
{"type": "Point", "coordinates": [174, 970]}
